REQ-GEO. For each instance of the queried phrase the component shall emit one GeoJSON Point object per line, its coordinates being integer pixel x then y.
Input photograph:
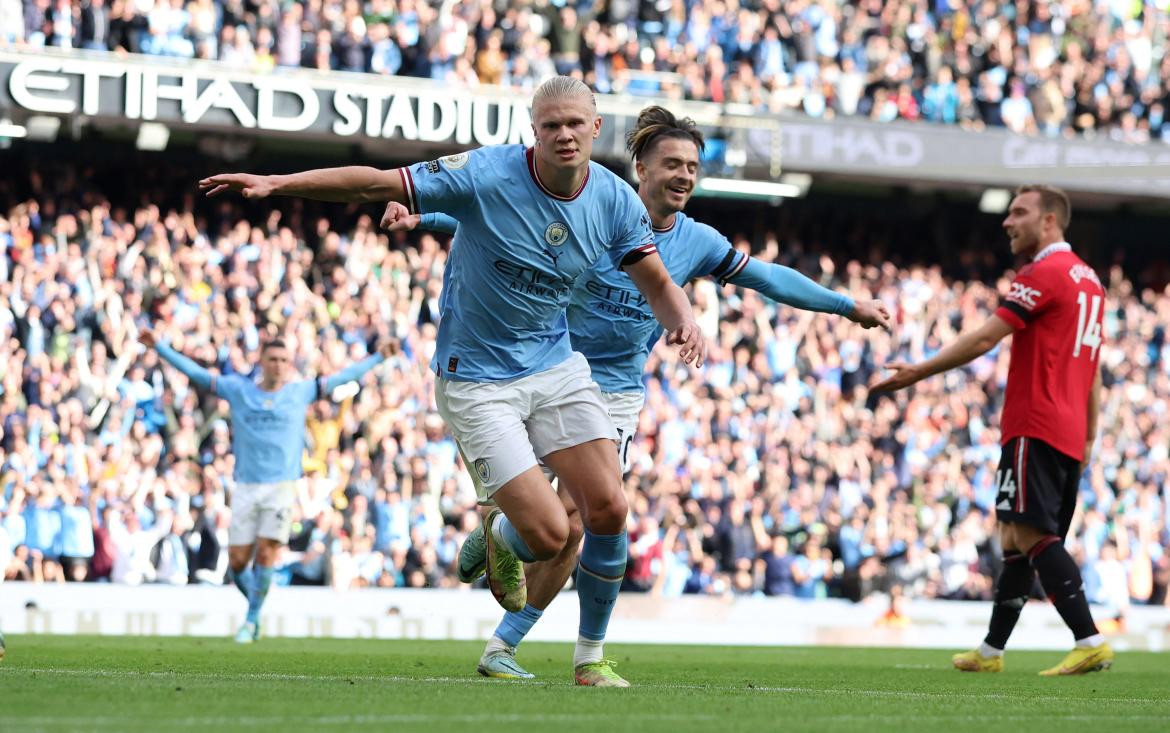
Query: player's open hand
{"type": "Point", "coordinates": [398, 218]}
{"type": "Point", "coordinates": [249, 185]}
{"type": "Point", "coordinates": [904, 376]}
{"type": "Point", "coordinates": [388, 347]}
{"type": "Point", "coordinates": [870, 313]}
{"type": "Point", "coordinates": [692, 346]}
{"type": "Point", "coordinates": [148, 338]}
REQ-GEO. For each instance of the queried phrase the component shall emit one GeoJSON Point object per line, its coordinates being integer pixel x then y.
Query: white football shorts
{"type": "Point", "coordinates": [502, 427]}
{"type": "Point", "coordinates": [262, 510]}
{"type": "Point", "coordinates": [624, 409]}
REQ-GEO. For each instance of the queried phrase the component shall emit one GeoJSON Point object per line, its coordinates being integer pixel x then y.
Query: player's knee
{"type": "Point", "coordinates": [266, 555]}
{"type": "Point", "coordinates": [239, 557]}
{"type": "Point", "coordinates": [547, 541]}
{"type": "Point", "coordinates": [608, 515]}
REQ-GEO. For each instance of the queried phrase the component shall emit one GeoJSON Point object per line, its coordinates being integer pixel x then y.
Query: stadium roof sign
{"type": "Point", "coordinates": [210, 96]}
{"type": "Point", "coordinates": [411, 118]}
{"type": "Point", "coordinates": [929, 153]}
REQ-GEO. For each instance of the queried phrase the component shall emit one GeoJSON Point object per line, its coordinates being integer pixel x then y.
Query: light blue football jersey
{"type": "Point", "coordinates": [517, 254]}
{"type": "Point", "coordinates": [610, 321]}
{"type": "Point", "coordinates": [268, 428]}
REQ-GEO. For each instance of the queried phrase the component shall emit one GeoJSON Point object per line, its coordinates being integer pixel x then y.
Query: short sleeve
{"type": "Point", "coordinates": [444, 186]}
{"type": "Point", "coordinates": [1027, 298]}
{"type": "Point", "coordinates": [633, 237]}
{"type": "Point", "coordinates": [717, 257]}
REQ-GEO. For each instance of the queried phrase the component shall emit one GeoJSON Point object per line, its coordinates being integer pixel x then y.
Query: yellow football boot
{"type": "Point", "coordinates": [973, 661]}
{"type": "Point", "coordinates": [1083, 659]}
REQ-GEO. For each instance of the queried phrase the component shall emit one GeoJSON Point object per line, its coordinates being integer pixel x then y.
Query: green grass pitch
{"type": "Point", "coordinates": [56, 683]}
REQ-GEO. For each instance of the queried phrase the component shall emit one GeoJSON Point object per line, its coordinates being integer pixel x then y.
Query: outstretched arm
{"type": "Point", "coordinates": [397, 218]}
{"type": "Point", "coordinates": [671, 307]}
{"type": "Point", "coordinates": [199, 376]}
{"type": "Point", "coordinates": [967, 347]}
{"type": "Point", "coordinates": [357, 184]}
{"type": "Point", "coordinates": [358, 369]}
{"type": "Point", "coordinates": [785, 285]}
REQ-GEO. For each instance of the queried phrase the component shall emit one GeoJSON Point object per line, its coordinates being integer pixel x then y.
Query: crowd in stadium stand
{"type": "Point", "coordinates": [769, 472]}
{"type": "Point", "coordinates": [1032, 66]}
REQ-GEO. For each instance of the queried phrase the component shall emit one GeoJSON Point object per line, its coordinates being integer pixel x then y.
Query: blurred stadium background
{"type": "Point", "coordinates": [872, 145]}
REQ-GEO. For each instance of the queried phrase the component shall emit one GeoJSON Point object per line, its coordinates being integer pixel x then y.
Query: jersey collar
{"type": "Point", "coordinates": [664, 230]}
{"type": "Point", "coordinates": [1052, 249]}
{"type": "Point", "coordinates": [531, 155]}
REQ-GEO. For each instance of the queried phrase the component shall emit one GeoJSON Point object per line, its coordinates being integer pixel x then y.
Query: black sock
{"type": "Point", "coordinates": [1061, 579]}
{"type": "Point", "coordinates": [1011, 593]}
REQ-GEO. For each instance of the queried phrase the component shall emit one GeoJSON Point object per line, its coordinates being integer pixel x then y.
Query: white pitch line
{"type": "Point", "coordinates": [918, 666]}
{"type": "Point", "coordinates": [301, 720]}
{"type": "Point", "coordinates": [469, 680]}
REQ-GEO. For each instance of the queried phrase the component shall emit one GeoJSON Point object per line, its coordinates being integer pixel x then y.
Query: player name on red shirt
{"type": "Point", "coordinates": [1057, 307]}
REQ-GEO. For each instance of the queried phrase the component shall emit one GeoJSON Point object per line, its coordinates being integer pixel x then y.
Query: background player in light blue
{"type": "Point", "coordinates": [510, 386]}
{"type": "Point", "coordinates": [610, 324]}
{"type": "Point", "coordinates": [268, 440]}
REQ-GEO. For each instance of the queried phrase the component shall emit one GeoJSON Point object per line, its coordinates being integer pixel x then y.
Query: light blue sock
{"type": "Point", "coordinates": [506, 534]}
{"type": "Point", "coordinates": [244, 581]}
{"type": "Point", "coordinates": [516, 625]}
{"type": "Point", "coordinates": [262, 584]}
{"type": "Point", "coordinates": [599, 576]}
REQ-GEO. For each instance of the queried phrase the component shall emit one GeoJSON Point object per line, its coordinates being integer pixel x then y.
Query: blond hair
{"type": "Point", "coordinates": [563, 87]}
{"type": "Point", "coordinates": [1052, 201]}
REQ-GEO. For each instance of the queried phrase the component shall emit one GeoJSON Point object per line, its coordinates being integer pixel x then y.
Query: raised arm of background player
{"type": "Point", "coordinates": [207, 380]}
{"type": "Point", "coordinates": [781, 284]}
{"type": "Point", "coordinates": [363, 184]}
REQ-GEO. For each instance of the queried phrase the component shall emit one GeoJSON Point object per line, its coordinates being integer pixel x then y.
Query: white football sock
{"type": "Point", "coordinates": [1091, 641]}
{"type": "Point", "coordinates": [988, 652]}
{"type": "Point", "coordinates": [495, 644]}
{"type": "Point", "coordinates": [587, 651]}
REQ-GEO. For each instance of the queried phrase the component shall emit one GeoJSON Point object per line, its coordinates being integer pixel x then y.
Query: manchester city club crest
{"type": "Point", "coordinates": [481, 468]}
{"type": "Point", "coordinates": [454, 162]}
{"type": "Point", "coordinates": [269, 404]}
{"type": "Point", "coordinates": [556, 234]}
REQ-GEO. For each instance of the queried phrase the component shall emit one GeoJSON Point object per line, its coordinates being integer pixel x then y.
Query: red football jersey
{"type": "Point", "coordinates": [1056, 306]}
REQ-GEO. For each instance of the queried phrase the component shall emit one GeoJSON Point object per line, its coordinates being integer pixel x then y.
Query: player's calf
{"type": "Point", "coordinates": [1061, 579]}
{"type": "Point", "coordinates": [1011, 594]}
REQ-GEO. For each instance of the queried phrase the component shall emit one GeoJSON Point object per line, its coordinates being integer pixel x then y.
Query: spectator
{"type": "Point", "coordinates": [95, 26]}
{"type": "Point", "coordinates": [385, 55]}
{"type": "Point", "coordinates": [812, 569]}
{"type": "Point", "coordinates": [777, 562]}
{"type": "Point", "coordinates": [968, 64]}
{"type": "Point", "coordinates": [12, 23]}
{"type": "Point", "coordinates": [127, 27]}
{"type": "Point", "coordinates": [1016, 109]}
{"type": "Point", "coordinates": [169, 554]}
{"type": "Point", "coordinates": [77, 546]}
